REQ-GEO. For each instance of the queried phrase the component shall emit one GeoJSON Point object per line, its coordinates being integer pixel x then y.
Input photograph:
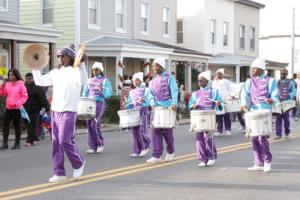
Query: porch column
{"type": "Point", "coordinates": [237, 73]}
{"type": "Point", "coordinates": [13, 54]}
{"type": "Point", "coordinates": [119, 73]}
{"type": "Point", "coordinates": [188, 77]}
{"type": "Point", "coordinates": [51, 54]}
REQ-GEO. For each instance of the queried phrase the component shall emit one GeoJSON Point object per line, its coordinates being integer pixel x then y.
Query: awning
{"type": "Point", "coordinates": [125, 47]}
{"type": "Point", "coordinates": [28, 34]}
{"type": "Point", "coordinates": [227, 59]}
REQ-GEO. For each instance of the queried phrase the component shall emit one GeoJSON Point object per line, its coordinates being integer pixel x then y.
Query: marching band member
{"type": "Point", "coordinates": [163, 92]}
{"type": "Point", "coordinates": [138, 98]}
{"type": "Point", "coordinates": [224, 86]}
{"type": "Point", "coordinates": [261, 92]}
{"type": "Point", "coordinates": [99, 88]}
{"type": "Point", "coordinates": [287, 91]}
{"type": "Point", "coordinates": [67, 82]}
{"type": "Point", "coordinates": [206, 98]}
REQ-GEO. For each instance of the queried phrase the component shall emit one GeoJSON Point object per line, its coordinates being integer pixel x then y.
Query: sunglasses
{"type": "Point", "coordinates": [60, 56]}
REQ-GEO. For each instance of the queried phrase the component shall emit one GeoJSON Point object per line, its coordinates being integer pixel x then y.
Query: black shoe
{"type": "Point", "coordinates": [4, 146]}
{"type": "Point", "coordinates": [16, 146]}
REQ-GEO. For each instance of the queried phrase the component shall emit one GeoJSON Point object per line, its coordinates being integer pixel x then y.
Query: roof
{"type": "Point", "coordinates": [177, 49]}
{"type": "Point", "coordinates": [28, 34]}
{"type": "Point", "coordinates": [251, 3]}
{"type": "Point", "coordinates": [230, 59]}
{"type": "Point", "coordinates": [227, 59]}
{"type": "Point", "coordinates": [116, 41]}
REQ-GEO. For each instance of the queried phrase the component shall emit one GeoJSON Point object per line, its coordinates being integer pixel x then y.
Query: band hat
{"type": "Point", "coordinates": [206, 75]}
{"type": "Point", "coordinates": [138, 75]}
{"type": "Point", "coordinates": [160, 61]}
{"type": "Point", "coordinates": [259, 63]}
{"type": "Point", "coordinates": [221, 70]}
{"type": "Point", "coordinates": [69, 51]}
{"type": "Point", "coordinates": [98, 65]}
{"type": "Point", "coordinates": [127, 81]}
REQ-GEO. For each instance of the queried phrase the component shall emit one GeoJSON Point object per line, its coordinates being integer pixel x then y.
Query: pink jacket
{"type": "Point", "coordinates": [16, 94]}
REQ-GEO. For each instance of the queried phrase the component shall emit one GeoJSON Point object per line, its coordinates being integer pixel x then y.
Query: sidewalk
{"type": "Point", "coordinates": [81, 131]}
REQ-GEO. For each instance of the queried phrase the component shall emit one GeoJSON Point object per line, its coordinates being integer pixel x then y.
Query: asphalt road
{"type": "Point", "coordinates": [114, 175]}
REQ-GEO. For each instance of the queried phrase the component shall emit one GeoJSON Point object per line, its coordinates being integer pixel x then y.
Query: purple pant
{"type": "Point", "coordinates": [63, 134]}
{"type": "Point", "coordinates": [157, 139]}
{"type": "Point", "coordinates": [225, 118]}
{"type": "Point", "coordinates": [95, 138]}
{"type": "Point", "coordinates": [286, 118]}
{"type": "Point", "coordinates": [206, 149]}
{"type": "Point", "coordinates": [261, 150]}
{"type": "Point", "coordinates": [241, 119]}
{"type": "Point", "coordinates": [140, 133]}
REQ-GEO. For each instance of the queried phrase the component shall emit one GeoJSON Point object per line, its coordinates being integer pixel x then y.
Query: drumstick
{"type": "Point", "coordinates": [214, 100]}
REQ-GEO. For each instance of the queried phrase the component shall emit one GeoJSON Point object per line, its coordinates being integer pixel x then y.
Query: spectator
{"type": "Point", "coordinates": [35, 102]}
{"type": "Point", "coordinates": [16, 95]}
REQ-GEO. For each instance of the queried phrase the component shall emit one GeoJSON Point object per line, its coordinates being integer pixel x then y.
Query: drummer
{"type": "Point", "coordinates": [206, 98]}
{"type": "Point", "coordinates": [261, 92]}
{"type": "Point", "coordinates": [138, 98]}
{"type": "Point", "coordinates": [287, 91]}
{"type": "Point", "coordinates": [224, 86]}
{"type": "Point", "coordinates": [99, 88]}
{"type": "Point", "coordinates": [163, 92]}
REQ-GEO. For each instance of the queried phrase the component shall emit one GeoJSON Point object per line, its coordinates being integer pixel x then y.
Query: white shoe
{"type": "Point", "coordinates": [169, 157]}
{"type": "Point", "coordinates": [133, 155]}
{"type": "Point", "coordinates": [217, 134]}
{"type": "Point", "coordinates": [256, 168]}
{"type": "Point", "coordinates": [267, 167]}
{"type": "Point", "coordinates": [100, 149]}
{"type": "Point", "coordinates": [91, 151]}
{"type": "Point", "coordinates": [78, 172]}
{"type": "Point", "coordinates": [228, 133]}
{"type": "Point", "coordinates": [153, 160]}
{"type": "Point", "coordinates": [55, 179]}
{"type": "Point", "coordinates": [202, 164]}
{"type": "Point", "coordinates": [211, 162]}
{"type": "Point", "coordinates": [143, 152]}
{"type": "Point", "coordinates": [242, 129]}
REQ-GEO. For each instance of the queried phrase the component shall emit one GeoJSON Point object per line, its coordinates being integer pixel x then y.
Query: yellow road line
{"type": "Point", "coordinates": [117, 172]}
{"type": "Point", "coordinates": [104, 173]}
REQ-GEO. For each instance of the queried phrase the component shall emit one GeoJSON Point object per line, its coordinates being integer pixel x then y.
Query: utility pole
{"type": "Point", "coordinates": [293, 43]}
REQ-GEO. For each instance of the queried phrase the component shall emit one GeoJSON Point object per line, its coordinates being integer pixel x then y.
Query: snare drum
{"type": "Point", "coordinates": [163, 117]}
{"type": "Point", "coordinates": [233, 105]}
{"type": "Point", "coordinates": [288, 105]}
{"type": "Point", "coordinates": [86, 108]}
{"type": "Point", "coordinates": [277, 109]}
{"type": "Point", "coordinates": [258, 122]}
{"type": "Point", "coordinates": [129, 118]}
{"type": "Point", "coordinates": [203, 120]}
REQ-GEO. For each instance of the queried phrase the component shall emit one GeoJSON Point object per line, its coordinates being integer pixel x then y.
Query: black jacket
{"type": "Point", "coordinates": [36, 99]}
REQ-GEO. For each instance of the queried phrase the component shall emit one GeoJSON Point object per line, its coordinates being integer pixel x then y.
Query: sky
{"type": "Point", "coordinates": [276, 17]}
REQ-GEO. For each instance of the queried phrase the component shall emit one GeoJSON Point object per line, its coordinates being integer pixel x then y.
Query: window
{"type": "Point", "coordinates": [3, 5]}
{"type": "Point", "coordinates": [120, 15]}
{"type": "Point", "coordinates": [180, 32]}
{"type": "Point", "coordinates": [47, 11]}
{"type": "Point", "coordinates": [166, 21]}
{"type": "Point", "coordinates": [144, 18]}
{"type": "Point", "coordinates": [225, 34]}
{"type": "Point", "coordinates": [213, 32]}
{"type": "Point", "coordinates": [94, 14]}
{"type": "Point", "coordinates": [242, 37]}
{"type": "Point", "coordinates": [252, 38]}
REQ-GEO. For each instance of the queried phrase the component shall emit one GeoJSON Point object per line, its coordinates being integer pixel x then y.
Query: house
{"type": "Point", "coordinates": [227, 29]}
{"type": "Point", "coordinates": [12, 35]}
{"type": "Point", "coordinates": [125, 35]}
